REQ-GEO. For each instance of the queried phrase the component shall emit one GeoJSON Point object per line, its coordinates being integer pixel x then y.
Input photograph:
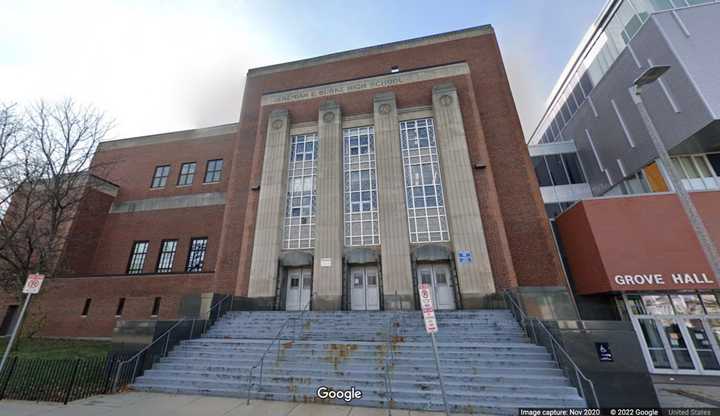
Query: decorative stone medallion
{"type": "Point", "coordinates": [446, 100]}
{"type": "Point", "coordinates": [277, 124]}
{"type": "Point", "coordinates": [384, 109]}
{"type": "Point", "coordinates": [328, 117]}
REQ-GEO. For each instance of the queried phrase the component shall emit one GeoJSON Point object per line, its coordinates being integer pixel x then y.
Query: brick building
{"type": "Point", "coordinates": [348, 179]}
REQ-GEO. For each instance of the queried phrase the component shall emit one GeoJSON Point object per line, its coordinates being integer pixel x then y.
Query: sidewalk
{"type": "Point", "coordinates": [136, 404]}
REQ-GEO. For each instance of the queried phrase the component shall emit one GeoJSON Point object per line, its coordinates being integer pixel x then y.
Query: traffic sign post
{"type": "Point", "coordinates": [426, 304]}
{"type": "Point", "coordinates": [32, 287]}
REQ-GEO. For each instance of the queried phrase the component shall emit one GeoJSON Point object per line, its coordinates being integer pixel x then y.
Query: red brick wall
{"type": "Point", "coordinates": [638, 235]}
{"type": "Point", "coordinates": [99, 243]}
{"type": "Point", "coordinates": [520, 241]}
{"type": "Point", "coordinates": [121, 230]}
{"type": "Point", "coordinates": [86, 231]}
{"type": "Point", "coordinates": [57, 309]}
{"type": "Point", "coordinates": [132, 168]}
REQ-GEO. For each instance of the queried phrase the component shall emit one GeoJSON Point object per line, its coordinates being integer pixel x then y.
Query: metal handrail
{"type": "Point", "coordinates": [554, 345]}
{"type": "Point", "coordinates": [261, 361]}
{"type": "Point", "coordinates": [301, 317]}
{"type": "Point", "coordinates": [166, 335]}
{"type": "Point", "coordinates": [389, 352]}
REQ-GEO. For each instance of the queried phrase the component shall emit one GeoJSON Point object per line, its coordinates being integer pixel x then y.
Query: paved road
{"type": "Point", "coordinates": [141, 404]}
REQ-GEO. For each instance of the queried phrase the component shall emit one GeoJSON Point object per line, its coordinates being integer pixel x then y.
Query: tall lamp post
{"type": "Point", "coordinates": [707, 244]}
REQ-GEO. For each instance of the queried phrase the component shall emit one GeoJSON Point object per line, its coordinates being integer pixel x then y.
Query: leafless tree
{"type": "Point", "coordinates": [10, 128]}
{"type": "Point", "coordinates": [52, 148]}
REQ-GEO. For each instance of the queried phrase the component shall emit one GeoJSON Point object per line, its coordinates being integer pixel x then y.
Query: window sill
{"type": "Point", "coordinates": [183, 186]}
{"type": "Point", "coordinates": [212, 183]}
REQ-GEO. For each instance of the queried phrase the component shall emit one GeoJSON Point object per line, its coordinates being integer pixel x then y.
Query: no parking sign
{"type": "Point", "coordinates": [33, 283]}
{"type": "Point", "coordinates": [427, 309]}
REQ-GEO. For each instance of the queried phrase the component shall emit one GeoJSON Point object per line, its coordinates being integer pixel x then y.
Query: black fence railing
{"type": "Point", "coordinates": [188, 328]}
{"type": "Point", "coordinates": [57, 380]}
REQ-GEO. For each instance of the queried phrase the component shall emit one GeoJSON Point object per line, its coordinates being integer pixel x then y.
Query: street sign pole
{"type": "Point", "coordinates": [32, 286]}
{"type": "Point", "coordinates": [9, 346]}
{"type": "Point", "coordinates": [442, 382]}
{"type": "Point", "coordinates": [426, 304]}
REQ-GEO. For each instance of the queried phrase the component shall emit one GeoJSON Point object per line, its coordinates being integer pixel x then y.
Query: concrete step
{"type": "Point", "coordinates": [377, 380]}
{"type": "Point", "coordinates": [379, 374]}
{"type": "Point", "coordinates": [424, 399]}
{"type": "Point", "coordinates": [401, 346]}
{"type": "Point", "coordinates": [338, 357]}
{"type": "Point", "coordinates": [488, 362]}
{"type": "Point", "coordinates": [226, 353]}
{"type": "Point", "coordinates": [345, 366]}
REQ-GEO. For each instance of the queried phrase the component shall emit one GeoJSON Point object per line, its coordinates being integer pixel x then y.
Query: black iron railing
{"type": "Point", "coordinates": [57, 380]}
{"type": "Point", "coordinates": [184, 329]}
{"type": "Point", "coordinates": [541, 335]}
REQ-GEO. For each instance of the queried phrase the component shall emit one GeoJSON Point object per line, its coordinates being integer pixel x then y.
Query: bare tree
{"type": "Point", "coordinates": [10, 128]}
{"type": "Point", "coordinates": [55, 145]}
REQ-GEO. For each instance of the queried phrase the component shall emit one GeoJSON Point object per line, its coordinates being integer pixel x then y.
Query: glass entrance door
{"type": "Point", "coordinates": [365, 294]}
{"type": "Point", "coordinates": [679, 333]}
{"type": "Point", "coordinates": [299, 285]}
{"type": "Point", "coordinates": [438, 277]}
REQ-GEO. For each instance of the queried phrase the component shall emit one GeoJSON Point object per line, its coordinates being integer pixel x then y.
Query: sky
{"type": "Point", "coordinates": [157, 65]}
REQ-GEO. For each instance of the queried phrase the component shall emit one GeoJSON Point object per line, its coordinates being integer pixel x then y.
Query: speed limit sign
{"type": "Point", "coordinates": [33, 283]}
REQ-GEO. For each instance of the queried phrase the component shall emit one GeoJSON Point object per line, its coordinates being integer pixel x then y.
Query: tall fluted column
{"type": "Point", "coordinates": [394, 238]}
{"type": "Point", "coordinates": [271, 206]}
{"type": "Point", "coordinates": [466, 228]}
{"type": "Point", "coordinates": [327, 270]}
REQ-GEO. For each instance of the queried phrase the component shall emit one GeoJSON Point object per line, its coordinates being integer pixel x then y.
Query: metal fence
{"type": "Point", "coordinates": [57, 380]}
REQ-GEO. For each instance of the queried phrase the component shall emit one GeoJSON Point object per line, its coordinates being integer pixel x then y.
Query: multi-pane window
{"type": "Point", "coordinates": [299, 227]}
{"type": "Point", "coordinates": [554, 209]}
{"type": "Point", "coordinates": [137, 257]}
{"type": "Point", "coordinates": [187, 173]}
{"type": "Point", "coordinates": [559, 169]}
{"type": "Point", "coordinates": [427, 219]}
{"type": "Point", "coordinates": [167, 256]}
{"type": "Point", "coordinates": [160, 176]}
{"type": "Point", "coordinates": [196, 255]}
{"type": "Point", "coordinates": [698, 172]}
{"type": "Point", "coordinates": [213, 171]}
{"type": "Point", "coordinates": [361, 213]}
{"type": "Point", "coordinates": [622, 24]}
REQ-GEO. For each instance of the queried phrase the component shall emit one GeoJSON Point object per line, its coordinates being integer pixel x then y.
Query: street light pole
{"type": "Point", "coordinates": [706, 242]}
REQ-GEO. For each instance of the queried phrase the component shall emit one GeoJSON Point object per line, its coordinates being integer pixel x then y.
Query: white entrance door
{"type": "Point", "coordinates": [678, 334]}
{"type": "Point", "coordinates": [365, 294]}
{"type": "Point", "coordinates": [438, 276]}
{"type": "Point", "coordinates": [298, 289]}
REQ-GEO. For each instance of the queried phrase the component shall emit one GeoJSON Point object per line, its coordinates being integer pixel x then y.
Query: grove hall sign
{"type": "Point", "coordinates": [661, 281]}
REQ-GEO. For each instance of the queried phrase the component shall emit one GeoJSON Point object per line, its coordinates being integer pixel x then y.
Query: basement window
{"type": "Point", "coordinates": [156, 308]}
{"type": "Point", "coordinates": [120, 307]}
{"type": "Point", "coordinates": [86, 308]}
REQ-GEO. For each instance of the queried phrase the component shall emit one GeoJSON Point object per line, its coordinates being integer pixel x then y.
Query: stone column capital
{"type": "Point", "coordinates": [329, 112]}
{"type": "Point", "coordinates": [444, 88]}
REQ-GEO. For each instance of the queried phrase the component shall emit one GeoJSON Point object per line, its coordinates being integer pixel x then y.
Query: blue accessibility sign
{"type": "Point", "coordinates": [464, 257]}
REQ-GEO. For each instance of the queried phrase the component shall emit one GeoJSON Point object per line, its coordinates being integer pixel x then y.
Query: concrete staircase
{"type": "Point", "coordinates": [489, 366]}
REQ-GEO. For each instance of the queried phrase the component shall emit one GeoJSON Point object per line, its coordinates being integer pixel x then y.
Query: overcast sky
{"type": "Point", "coordinates": [158, 66]}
